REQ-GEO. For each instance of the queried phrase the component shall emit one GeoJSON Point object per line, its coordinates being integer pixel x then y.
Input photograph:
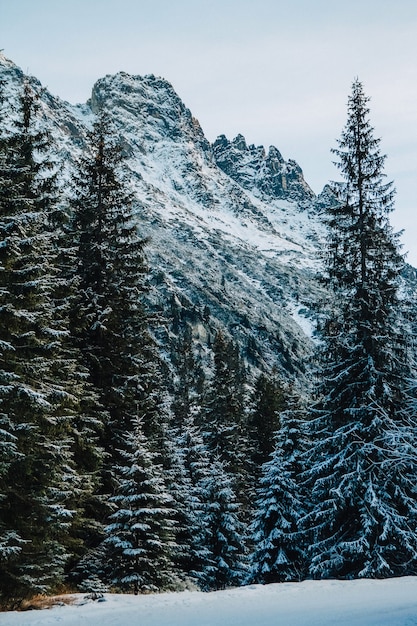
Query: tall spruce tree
{"type": "Point", "coordinates": [109, 321]}
{"type": "Point", "coordinates": [87, 425]}
{"type": "Point", "coordinates": [10, 541]}
{"type": "Point", "coordinates": [38, 482]}
{"type": "Point", "coordinates": [363, 459]}
{"type": "Point", "coordinates": [194, 530]}
{"type": "Point", "coordinates": [225, 428]}
{"type": "Point", "coordinates": [187, 461]}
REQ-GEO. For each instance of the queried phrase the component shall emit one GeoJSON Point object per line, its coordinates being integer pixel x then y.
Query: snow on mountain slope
{"type": "Point", "coordinates": [233, 251]}
{"type": "Point", "coordinates": [250, 259]}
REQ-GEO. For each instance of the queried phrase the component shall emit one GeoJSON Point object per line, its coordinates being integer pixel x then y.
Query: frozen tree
{"type": "Point", "coordinates": [87, 424]}
{"type": "Point", "coordinates": [10, 541]}
{"type": "Point", "coordinates": [109, 320]}
{"type": "Point", "coordinates": [225, 532]}
{"type": "Point", "coordinates": [224, 411]}
{"type": "Point", "coordinates": [190, 459]}
{"type": "Point", "coordinates": [279, 552]}
{"type": "Point", "coordinates": [140, 535]}
{"type": "Point", "coordinates": [195, 461]}
{"type": "Point", "coordinates": [363, 463]}
{"type": "Point", "coordinates": [37, 403]}
{"type": "Point", "coordinates": [224, 416]}
{"type": "Point", "coordinates": [191, 553]}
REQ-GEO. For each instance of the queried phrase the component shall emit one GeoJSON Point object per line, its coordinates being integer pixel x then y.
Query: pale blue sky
{"type": "Point", "coordinates": [279, 72]}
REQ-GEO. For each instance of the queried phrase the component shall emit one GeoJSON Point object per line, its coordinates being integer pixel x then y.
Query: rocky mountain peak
{"type": "Point", "coordinates": [149, 103]}
{"type": "Point", "coordinates": [5, 62]}
{"type": "Point", "coordinates": [232, 238]}
{"type": "Point", "coordinates": [265, 174]}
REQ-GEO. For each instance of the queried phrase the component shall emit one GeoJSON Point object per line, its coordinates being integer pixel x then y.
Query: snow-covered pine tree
{"type": "Point", "coordinates": [36, 400]}
{"type": "Point", "coordinates": [86, 530]}
{"type": "Point", "coordinates": [279, 553]}
{"type": "Point", "coordinates": [140, 535]}
{"type": "Point", "coordinates": [191, 554]}
{"type": "Point", "coordinates": [109, 321]}
{"type": "Point", "coordinates": [191, 550]}
{"type": "Point", "coordinates": [363, 459]}
{"type": "Point", "coordinates": [211, 544]}
{"type": "Point", "coordinates": [224, 409]}
{"type": "Point", "coordinates": [10, 541]}
{"type": "Point", "coordinates": [227, 566]}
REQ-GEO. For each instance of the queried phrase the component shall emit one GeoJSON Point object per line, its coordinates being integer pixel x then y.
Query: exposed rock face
{"type": "Point", "coordinates": [234, 232]}
{"type": "Point", "coordinates": [151, 100]}
{"type": "Point", "coordinates": [264, 173]}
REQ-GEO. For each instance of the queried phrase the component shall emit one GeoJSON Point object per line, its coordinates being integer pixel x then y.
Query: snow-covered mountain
{"type": "Point", "coordinates": [234, 229]}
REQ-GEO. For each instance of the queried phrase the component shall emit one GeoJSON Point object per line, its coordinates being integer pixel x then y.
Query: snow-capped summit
{"type": "Point", "coordinates": [148, 104]}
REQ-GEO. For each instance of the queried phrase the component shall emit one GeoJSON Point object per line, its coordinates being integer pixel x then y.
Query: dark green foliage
{"type": "Point", "coordinates": [109, 322]}
{"type": "Point", "coordinates": [38, 481]}
{"type": "Point", "coordinates": [109, 260]}
{"type": "Point", "coordinates": [224, 412]}
{"type": "Point", "coordinates": [87, 424]}
{"type": "Point", "coordinates": [188, 377]}
{"type": "Point", "coordinates": [213, 532]}
{"type": "Point", "coordinates": [140, 537]}
{"type": "Point", "coordinates": [189, 460]}
{"type": "Point", "coordinates": [268, 401]}
{"type": "Point", "coordinates": [226, 566]}
{"type": "Point", "coordinates": [363, 460]}
{"type": "Point", "coordinates": [225, 420]}
{"type": "Point", "coordinates": [188, 463]}
{"type": "Point", "coordinates": [279, 547]}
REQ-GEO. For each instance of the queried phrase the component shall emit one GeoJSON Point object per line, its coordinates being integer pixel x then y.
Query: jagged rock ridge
{"type": "Point", "coordinates": [263, 173]}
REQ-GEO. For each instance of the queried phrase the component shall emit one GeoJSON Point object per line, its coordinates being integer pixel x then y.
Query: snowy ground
{"type": "Point", "coordinates": [312, 603]}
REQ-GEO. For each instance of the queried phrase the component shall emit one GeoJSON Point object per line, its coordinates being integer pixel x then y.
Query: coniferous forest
{"type": "Point", "coordinates": [119, 472]}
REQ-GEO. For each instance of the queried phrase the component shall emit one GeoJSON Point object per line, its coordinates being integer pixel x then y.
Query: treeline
{"type": "Point", "coordinates": [121, 468]}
